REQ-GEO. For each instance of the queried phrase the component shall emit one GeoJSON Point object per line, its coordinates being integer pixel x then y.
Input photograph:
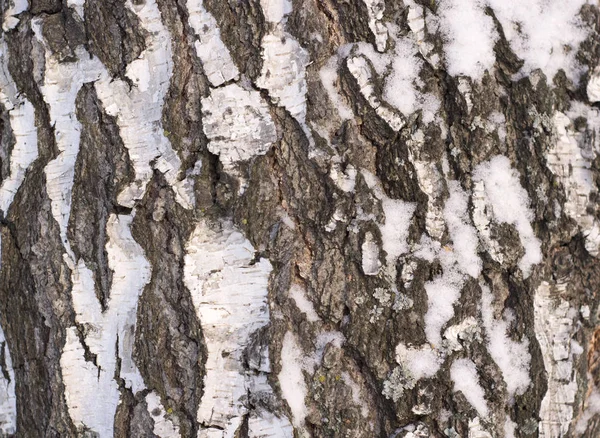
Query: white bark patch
{"type": "Point", "coordinates": [230, 296]}
{"type": "Point", "coordinates": [554, 328]}
{"type": "Point", "coordinates": [476, 430]}
{"type": "Point", "coordinates": [431, 183]}
{"type": "Point", "coordinates": [78, 6]}
{"type": "Point", "coordinates": [237, 124]}
{"type": "Point", "coordinates": [22, 122]}
{"type": "Point", "coordinates": [593, 86]}
{"type": "Point", "coordinates": [464, 376]}
{"type": "Point", "coordinates": [163, 426]}
{"type": "Point", "coordinates": [24, 152]}
{"type": "Point", "coordinates": [283, 72]}
{"type": "Point", "coordinates": [91, 391]}
{"type": "Point", "coordinates": [139, 111]}
{"type": "Point", "coordinates": [512, 357]}
{"type": "Point", "coordinates": [376, 8]}
{"type": "Point", "coordinates": [498, 195]}
{"type": "Point", "coordinates": [216, 60]}
{"type": "Point", "coordinates": [363, 73]}
{"type": "Point", "coordinates": [8, 400]}
{"type": "Point", "coordinates": [10, 15]}
{"type": "Point", "coordinates": [62, 82]}
{"type": "Point", "coordinates": [370, 255]}
{"type": "Point", "coordinates": [571, 163]}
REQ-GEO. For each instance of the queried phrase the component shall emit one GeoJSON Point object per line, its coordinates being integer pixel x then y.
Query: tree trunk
{"type": "Point", "coordinates": [318, 218]}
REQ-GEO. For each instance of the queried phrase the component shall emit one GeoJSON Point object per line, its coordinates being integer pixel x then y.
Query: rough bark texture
{"type": "Point", "coordinates": [264, 218]}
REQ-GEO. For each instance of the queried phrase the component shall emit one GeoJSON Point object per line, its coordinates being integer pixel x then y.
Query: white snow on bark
{"type": "Point", "coordinates": [498, 195]}
{"type": "Point", "coordinates": [298, 294]}
{"type": "Point", "coordinates": [554, 328]}
{"type": "Point", "coordinates": [394, 229]}
{"type": "Point", "coordinates": [464, 376]}
{"type": "Point", "coordinates": [22, 123]}
{"type": "Point", "coordinates": [216, 60]}
{"type": "Point", "coordinates": [470, 37]}
{"type": "Point", "coordinates": [593, 86]}
{"type": "Point", "coordinates": [546, 34]}
{"type": "Point", "coordinates": [91, 391]}
{"type": "Point", "coordinates": [230, 296]}
{"type": "Point", "coordinates": [512, 357]}
{"type": "Point", "coordinates": [458, 262]}
{"type": "Point", "coordinates": [329, 75]}
{"type": "Point", "coordinates": [570, 161]}
{"type": "Point", "coordinates": [237, 123]}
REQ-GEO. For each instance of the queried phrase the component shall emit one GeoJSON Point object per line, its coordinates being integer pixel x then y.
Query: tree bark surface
{"type": "Point", "coordinates": [285, 218]}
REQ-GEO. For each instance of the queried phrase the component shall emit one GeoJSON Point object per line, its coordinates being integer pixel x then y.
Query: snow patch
{"type": "Point", "coordinates": [497, 190]}
{"type": "Point", "coordinates": [546, 34]}
{"type": "Point", "coordinates": [470, 37]}
{"type": "Point", "coordinates": [298, 294]}
{"type": "Point", "coordinates": [421, 362]}
{"type": "Point", "coordinates": [464, 375]}
{"type": "Point", "coordinates": [329, 74]}
{"type": "Point", "coordinates": [394, 230]}
{"type": "Point", "coordinates": [512, 357]}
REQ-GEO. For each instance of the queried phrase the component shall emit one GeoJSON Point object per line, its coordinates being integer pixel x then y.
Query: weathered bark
{"type": "Point", "coordinates": [320, 218]}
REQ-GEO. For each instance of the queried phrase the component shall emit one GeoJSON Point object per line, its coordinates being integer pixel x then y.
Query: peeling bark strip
{"type": "Point", "coordinates": [230, 296]}
{"type": "Point", "coordinates": [321, 219]}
